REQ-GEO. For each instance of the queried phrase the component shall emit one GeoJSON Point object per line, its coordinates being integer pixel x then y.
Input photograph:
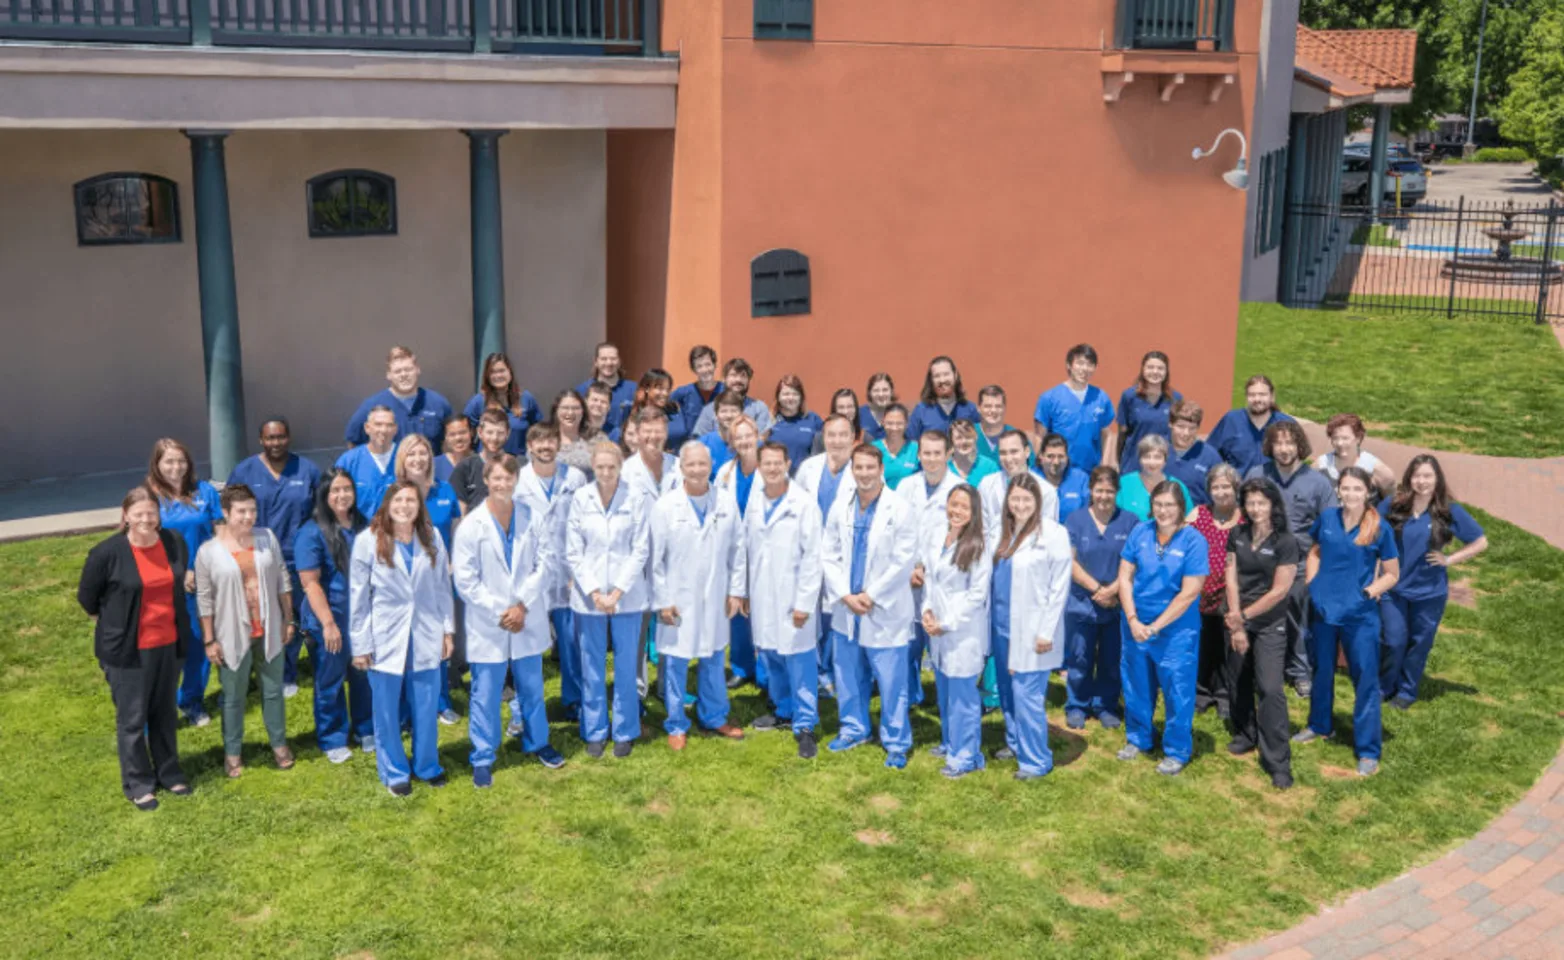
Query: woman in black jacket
{"type": "Point", "coordinates": [133, 587]}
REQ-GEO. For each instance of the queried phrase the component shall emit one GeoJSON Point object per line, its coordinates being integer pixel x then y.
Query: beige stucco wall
{"type": "Point", "coordinates": [102, 346]}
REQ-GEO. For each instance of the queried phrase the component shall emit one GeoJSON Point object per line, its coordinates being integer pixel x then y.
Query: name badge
{"type": "Point", "coordinates": [1267, 552]}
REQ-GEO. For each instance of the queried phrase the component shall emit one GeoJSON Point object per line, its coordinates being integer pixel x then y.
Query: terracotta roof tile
{"type": "Point", "coordinates": [1331, 82]}
{"type": "Point", "coordinates": [1377, 58]}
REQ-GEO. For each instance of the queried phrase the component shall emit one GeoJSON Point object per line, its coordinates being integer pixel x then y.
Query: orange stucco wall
{"type": "Point", "coordinates": [640, 172]}
{"type": "Point", "coordinates": [960, 187]}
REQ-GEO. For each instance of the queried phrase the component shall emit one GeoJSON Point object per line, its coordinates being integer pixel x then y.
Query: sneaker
{"type": "Point", "coordinates": [676, 741]}
{"type": "Point", "coordinates": [1238, 746]}
{"type": "Point", "coordinates": [953, 773]}
{"type": "Point", "coordinates": [1170, 767]}
{"type": "Point", "coordinates": [1306, 735]}
{"type": "Point", "coordinates": [842, 744]}
{"type": "Point", "coordinates": [482, 777]}
{"type": "Point", "coordinates": [736, 681]}
{"type": "Point", "coordinates": [339, 754]}
{"type": "Point", "coordinates": [367, 744]}
{"type": "Point", "coordinates": [146, 804]}
{"type": "Point", "coordinates": [403, 789]}
{"type": "Point", "coordinates": [550, 757]}
{"type": "Point", "coordinates": [1075, 719]}
{"type": "Point", "coordinates": [1402, 703]}
{"type": "Point", "coordinates": [449, 717]}
{"type": "Point", "coordinates": [806, 745]}
{"type": "Point", "coordinates": [896, 761]}
{"type": "Point", "coordinates": [1367, 767]}
{"type": "Point", "coordinates": [1004, 753]}
{"type": "Point", "coordinates": [1109, 721]}
{"type": "Point", "coordinates": [1281, 781]}
{"type": "Point", "coordinates": [827, 688]}
{"type": "Point", "coordinates": [937, 751]}
{"type": "Point", "coordinates": [513, 729]}
{"type": "Point", "coordinates": [727, 731]}
{"type": "Point", "coordinates": [1028, 775]}
{"type": "Point", "coordinates": [768, 721]}
{"type": "Point", "coordinates": [622, 748]}
{"type": "Point", "coordinates": [199, 718]}
{"type": "Point", "coordinates": [290, 690]}
{"type": "Point", "coordinates": [595, 749]}
{"type": "Point", "coordinates": [437, 781]}
{"type": "Point", "coordinates": [1303, 688]}
{"type": "Point", "coordinates": [1128, 752]}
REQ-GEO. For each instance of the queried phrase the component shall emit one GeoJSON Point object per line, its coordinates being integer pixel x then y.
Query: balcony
{"type": "Point", "coordinates": [1171, 41]}
{"type": "Point", "coordinates": [563, 27]}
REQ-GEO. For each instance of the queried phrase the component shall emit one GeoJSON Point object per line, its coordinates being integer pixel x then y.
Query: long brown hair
{"type": "Point", "coordinates": [1368, 526]}
{"type": "Point", "coordinates": [1009, 537]}
{"type": "Point", "coordinates": [969, 545]}
{"type": "Point", "coordinates": [1439, 517]}
{"type": "Point", "coordinates": [155, 482]}
{"type": "Point", "coordinates": [1142, 387]}
{"type": "Point", "coordinates": [507, 399]}
{"type": "Point", "coordinates": [382, 526]}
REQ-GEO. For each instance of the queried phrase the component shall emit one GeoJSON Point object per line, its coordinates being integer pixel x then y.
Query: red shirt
{"type": "Point", "coordinates": [155, 628]}
{"type": "Point", "coordinates": [1216, 541]}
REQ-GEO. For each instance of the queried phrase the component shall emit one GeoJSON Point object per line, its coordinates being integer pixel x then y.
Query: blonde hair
{"type": "Point", "coordinates": [603, 445]}
{"type": "Point", "coordinates": [399, 469]}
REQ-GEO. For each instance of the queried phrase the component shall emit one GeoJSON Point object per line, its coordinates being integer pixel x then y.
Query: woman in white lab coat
{"type": "Point", "coordinates": [606, 549]}
{"type": "Point", "coordinates": [782, 552]}
{"type": "Point", "coordinates": [698, 582]}
{"type": "Point", "coordinates": [956, 571]}
{"type": "Point", "coordinates": [501, 566]}
{"type": "Point", "coordinates": [1031, 583]}
{"type": "Point", "coordinates": [401, 630]}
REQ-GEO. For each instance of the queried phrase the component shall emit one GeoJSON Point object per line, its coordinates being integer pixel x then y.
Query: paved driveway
{"type": "Point", "coordinates": [1484, 183]}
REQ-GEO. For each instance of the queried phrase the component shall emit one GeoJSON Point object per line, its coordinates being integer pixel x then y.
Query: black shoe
{"type": "Point", "coordinates": [146, 805]}
{"type": "Point", "coordinates": [768, 721]}
{"type": "Point", "coordinates": [405, 788]}
{"type": "Point", "coordinates": [1238, 746]}
{"type": "Point", "coordinates": [1004, 753]}
{"type": "Point", "coordinates": [181, 789]}
{"type": "Point", "coordinates": [437, 782]}
{"type": "Point", "coordinates": [573, 713]}
{"type": "Point", "coordinates": [595, 749]}
{"type": "Point", "coordinates": [1402, 703]}
{"type": "Point", "coordinates": [1281, 781]}
{"type": "Point", "coordinates": [807, 747]}
{"type": "Point", "coordinates": [622, 748]}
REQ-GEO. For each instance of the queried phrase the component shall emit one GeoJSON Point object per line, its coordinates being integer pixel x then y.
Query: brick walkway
{"type": "Point", "coordinates": [1501, 895]}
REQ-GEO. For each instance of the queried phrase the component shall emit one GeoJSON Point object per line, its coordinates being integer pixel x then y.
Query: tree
{"type": "Point", "coordinates": [1533, 111]}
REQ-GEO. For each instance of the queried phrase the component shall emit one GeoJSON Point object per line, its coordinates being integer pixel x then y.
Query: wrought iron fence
{"type": "Point", "coordinates": [1175, 24]}
{"type": "Point", "coordinates": [123, 21]}
{"type": "Point", "coordinates": [1469, 259]}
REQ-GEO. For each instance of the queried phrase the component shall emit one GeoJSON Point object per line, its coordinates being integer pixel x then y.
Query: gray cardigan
{"type": "Point", "coordinates": [220, 595]}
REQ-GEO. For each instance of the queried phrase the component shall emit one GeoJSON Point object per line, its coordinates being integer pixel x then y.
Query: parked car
{"type": "Point", "coordinates": [1357, 169]}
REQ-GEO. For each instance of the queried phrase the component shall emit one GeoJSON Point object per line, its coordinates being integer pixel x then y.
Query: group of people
{"type": "Point", "coordinates": [809, 555]}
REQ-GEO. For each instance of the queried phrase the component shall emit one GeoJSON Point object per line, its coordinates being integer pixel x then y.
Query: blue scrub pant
{"type": "Point", "coordinates": [915, 649]}
{"type": "Point", "coordinates": [1360, 639]}
{"type": "Point", "coordinates": [989, 684]}
{"type": "Point", "coordinates": [1408, 638]}
{"type": "Point", "coordinates": [857, 668]}
{"type": "Point", "coordinates": [342, 701]}
{"type": "Point", "coordinates": [386, 692]}
{"type": "Point", "coordinates": [569, 648]}
{"type": "Point", "coordinates": [198, 669]}
{"type": "Point", "coordinates": [711, 697]}
{"type": "Point", "coordinates": [826, 651]}
{"type": "Point", "coordinates": [793, 681]}
{"type": "Point", "coordinates": [595, 631]}
{"type": "Point", "coordinates": [1091, 657]}
{"type": "Point", "coordinates": [1169, 662]}
{"type": "Point", "coordinates": [1029, 696]}
{"type": "Point", "coordinates": [741, 652]}
{"type": "Point", "coordinates": [961, 721]}
{"type": "Point", "coordinates": [290, 650]}
{"type": "Point", "coordinates": [483, 712]}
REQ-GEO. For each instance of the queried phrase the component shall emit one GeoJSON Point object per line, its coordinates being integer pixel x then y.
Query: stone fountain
{"type": "Point", "coordinates": [1503, 266]}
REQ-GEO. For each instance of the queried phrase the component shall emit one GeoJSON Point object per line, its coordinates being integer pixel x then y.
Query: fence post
{"type": "Point", "coordinates": [201, 23]}
{"type": "Point", "coordinates": [1547, 261]}
{"type": "Point", "coordinates": [651, 29]}
{"type": "Point", "coordinates": [482, 27]}
{"type": "Point", "coordinates": [1455, 258]}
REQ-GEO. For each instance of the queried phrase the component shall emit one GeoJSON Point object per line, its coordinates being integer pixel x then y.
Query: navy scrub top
{"type": "Point", "coordinates": [1346, 569]}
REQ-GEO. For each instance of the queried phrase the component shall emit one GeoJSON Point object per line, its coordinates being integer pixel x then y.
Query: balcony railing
{"type": "Point", "coordinates": [578, 27]}
{"type": "Point", "coordinates": [1175, 24]}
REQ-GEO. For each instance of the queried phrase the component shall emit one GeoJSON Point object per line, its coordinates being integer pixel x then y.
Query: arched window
{"type": "Point", "coordinates": [779, 284]}
{"type": "Point", "coordinates": [784, 19]}
{"type": "Point", "coordinates": [351, 203]}
{"type": "Point", "coordinates": [126, 208]}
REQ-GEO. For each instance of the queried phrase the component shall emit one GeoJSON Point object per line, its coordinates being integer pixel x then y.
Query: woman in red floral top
{"type": "Point", "coordinates": [1215, 521]}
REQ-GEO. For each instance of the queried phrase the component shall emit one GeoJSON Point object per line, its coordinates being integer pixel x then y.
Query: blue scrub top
{"type": "Point", "coordinates": [825, 494]}
{"type": "Point", "coordinates": [1139, 420]}
{"type": "Point", "coordinates": [798, 435]}
{"type": "Point", "coordinates": [284, 502]}
{"type": "Point", "coordinates": [680, 427]}
{"type": "Point", "coordinates": [1191, 467]}
{"type": "Point", "coordinates": [620, 399]}
{"type": "Point", "coordinates": [1421, 580]}
{"type": "Point", "coordinates": [689, 400]}
{"type": "Point", "coordinates": [930, 416]}
{"type": "Point", "coordinates": [405, 550]}
{"type": "Point", "coordinates": [1346, 569]}
{"type": "Point", "coordinates": [1158, 579]}
{"type": "Point", "coordinates": [1238, 442]}
{"type": "Point", "coordinates": [1134, 497]}
{"type": "Point", "coordinates": [869, 426]}
{"type": "Point", "coordinates": [999, 603]}
{"type": "Point", "coordinates": [193, 521]}
{"type": "Point", "coordinates": [981, 467]}
{"type": "Point", "coordinates": [899, 467]}
{"type": "Point", "coordinates": [1074, 491]}
{"type": "Point", "coordinates": [990, 448]}
{"type": "Point", "coordinates": [1098, 553]}
{"type": "Point", "coordinates": [1081, 422]}
{"type": "Point", "coordinates": [444, 511]}
{"type": "Point", "coordinates": [516, 443]}
{"type": "Point", "coordinates": [369, 481]}
{"type": "Point", "coordinates": [310, 553]}
{"type": "Point", "coordinates": [721, 453]}
{"type": "Point", "coordinates": [443, 467]}
{"type": "Point", "coordinates": [742, 484]}
{"type": "Point", "coordinates": [863, 520]}
{"type": "Point", "coordinates": [425, 414]}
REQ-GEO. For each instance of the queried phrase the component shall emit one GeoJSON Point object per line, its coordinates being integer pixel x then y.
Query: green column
{"type": "Point", "coordinates": [1296, 217]}
{"type": "Point", "coordinates": [1377, 158]}
{"type": "Point", "coordinates": [488, 255]}
{"type": "Point", "coordinates": [219, 301]}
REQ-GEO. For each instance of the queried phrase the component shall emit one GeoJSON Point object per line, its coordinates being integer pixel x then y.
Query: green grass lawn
{"type": "Point", "coordinates": [740, 849]}
{"type": "Point", "coordinates": [1488, 386]}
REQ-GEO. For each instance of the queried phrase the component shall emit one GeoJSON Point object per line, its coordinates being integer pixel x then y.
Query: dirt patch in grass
{"type": "Point", "coordinates": [1091, 898]}
{"type": "Point", "coordinates": [259, 916]}
{"type": "Point", "coordinates": [1463, 595]}
{"type": "Point", "coordinates": [1330, 772]}
{"type": "Point", "coordinates": [659, 807]}
{"type": "Point", "coordinates": [884, 803]}
{"type": "Point", "coordinates": [875, 838]}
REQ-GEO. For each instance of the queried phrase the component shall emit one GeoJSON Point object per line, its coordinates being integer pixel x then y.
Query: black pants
{"type": "Point", "coordinates": [1300, 662]}
{"type": "Point", "coordinates": [145, 719]}
{"type": "Point", "coordinates": [1264, 666]}
{"type": "Point", "coordinates": [1211, 683]}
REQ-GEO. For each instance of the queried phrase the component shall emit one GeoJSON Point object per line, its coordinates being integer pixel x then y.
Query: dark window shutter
{"type": "Point", "coordinates": [784, 19]}
{"type": "Point", "coordinates": [779, 284]}
{"type": "Point", "coordinates": [351, 203]}
{"type": "Point", "coordinates": [125, 208]}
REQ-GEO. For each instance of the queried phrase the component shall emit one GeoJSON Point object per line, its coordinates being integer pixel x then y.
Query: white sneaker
{"type": "Point", "coordinates": [200, 718]}
{"type": "Point", "coordinates": [290, 690]}
{"type": "Point", "coordinates": [339, 754]}
{"type": "Point", "coordinates": [450, 717]}
{"type": "Point", "coordinates": [513, 729]}
{"type": "Point", "coordinates": [367, 744]}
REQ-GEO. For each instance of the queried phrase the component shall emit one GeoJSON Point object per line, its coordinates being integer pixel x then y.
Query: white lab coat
{"type": "Point", "coordinates": [959, 601]}
{"type": "Point", "coordinates": [808, 477]}
{"type": "Point", "coordinates": [489, 587]}
{"type": "Point", "coordinates": [992, 492]}
{"type": "Point", "coordinates": [728, 482]}
{"type": "Point", "coordinates": [639, 478]}
{"type": "Point", "coordinates": [390, 607]}
{"type": "Point", "coordinates": [607, 548]}
{"type": "Point", "coordinates": [928, 510]}
{"type": "Point", "coordinates": [530, 490]}
{"type": "Point", "coordinates": [892, 550]}
{"type": "Point", "coordinates": [784, 569]}
{"type": "Point", "coordinates": [696, 567]}
{"type": "Point", "coordinates": [1039, 588]}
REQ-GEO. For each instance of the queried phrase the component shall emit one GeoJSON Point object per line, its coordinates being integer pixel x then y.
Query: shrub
{"type": "Point", "coordinates": [1501, 155]}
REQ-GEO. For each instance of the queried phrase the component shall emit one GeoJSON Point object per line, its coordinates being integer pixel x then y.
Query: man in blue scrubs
{"type": "Point", "coordinates": [692, 398]}
{"type": "Point", "coordinates": [1068, 481]}
{"type": "Point", "coordinates": [373, 465]}
{"type": "Point", "coordinates": [1240, 434]}
{"type": "Point", "coordinates": [606, 369]}
{"type": "Point", "coordinates": [1078, 411]}
{"type": "Point", "coordinates": [991, 405]}
{"type": "Point", "coordinates": [417, 410]}
{"type": "Point", "coordinates": [1191, 457]}
{"type": "Point", "coordinates": [284, 487]}
{"type": "Point", "coordinates": [942, 401]}
{"type": "Point", "coordinates": [736, 375]}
